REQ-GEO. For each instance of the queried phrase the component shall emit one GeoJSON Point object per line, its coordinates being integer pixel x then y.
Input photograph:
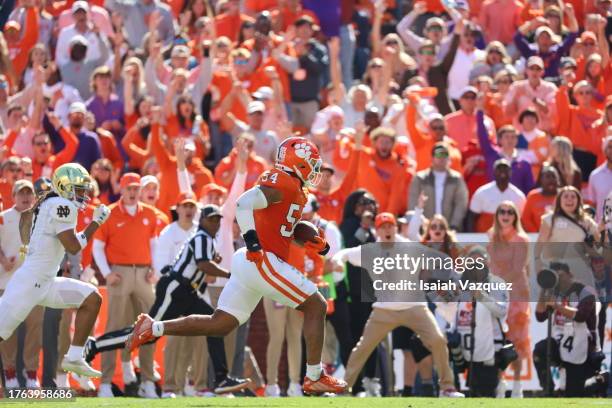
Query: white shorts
{"type": "Point", "coordinates": [275, 279]}
{"type": "Point", "coordinates": [26, 290]}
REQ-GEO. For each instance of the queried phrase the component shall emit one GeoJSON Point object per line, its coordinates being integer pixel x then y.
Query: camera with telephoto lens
{"type": "Point", "coordinates": [547, 279]}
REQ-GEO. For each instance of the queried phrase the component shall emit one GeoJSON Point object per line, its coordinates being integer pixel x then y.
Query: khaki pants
{"type": "Point", "coordinates": [133, 287]}
{"type": "Point", "coordinates": [32, 343]}
{"type": "Point", "coordinates": [382, 321]}
{"type": "Point", "coordinates": [179, 354]}
{"type": "Point", "coordinates": [283, 320]}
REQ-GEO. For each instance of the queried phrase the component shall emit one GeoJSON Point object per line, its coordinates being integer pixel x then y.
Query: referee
{"type": "Point", "coordinates": [180, 291]}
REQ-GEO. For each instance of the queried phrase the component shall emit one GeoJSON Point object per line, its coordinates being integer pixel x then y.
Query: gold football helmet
{"type": "Point", "coordinates": [72, 182]}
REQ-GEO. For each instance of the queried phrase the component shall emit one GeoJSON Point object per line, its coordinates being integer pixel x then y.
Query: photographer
{"type": "Point", "coordinates": [481, 319]}
{"type": "Point", "coordinates": [572, 307]}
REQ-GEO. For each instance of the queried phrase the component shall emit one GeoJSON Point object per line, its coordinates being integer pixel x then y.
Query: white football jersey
{"type": "Point", "coordinates": [46, 252]}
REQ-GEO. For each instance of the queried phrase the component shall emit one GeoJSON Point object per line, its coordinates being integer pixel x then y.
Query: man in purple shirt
{"type": "Point", "coordinates": [89, 146]}
{"type": "Point", "coordinates": [507, 138]}
{"type": "Point", "coordinates": [547, 44]}
{"type": "Point", "coordinates": [106, 106]}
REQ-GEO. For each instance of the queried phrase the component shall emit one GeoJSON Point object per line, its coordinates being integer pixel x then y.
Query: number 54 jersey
{"type": "Point", "coordinates": [274, 224]}
{"type": "Point", "coordinates": [45, 251]}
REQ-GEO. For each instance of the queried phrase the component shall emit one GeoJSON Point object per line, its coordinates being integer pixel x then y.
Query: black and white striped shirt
{"type": "Point", "coordinates": [199, 248]}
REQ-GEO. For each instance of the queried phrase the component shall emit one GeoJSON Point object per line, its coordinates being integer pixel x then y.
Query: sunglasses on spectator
{"type": "Point", "coordinates": [437, 227]}
{"type": "Point", "coordinates": [391, 42]}
{"type": "Point", "coordinates": [440, 154]}
{"type": "Point", "coordinates": [468, 96]}
{"type": "Point", "coordinates": [241, 62]}
{"type": "Point", "coordinates": [534, 68]}
{"type": "Point", "coordinates": [376, 66]}
{"type": "Point", "coordinates": [426, 51]}
{"type": "Point", "coordinates": [365, 201]}
{"type": "Point", "coordinates": [495, 51]}
{"type": "Point", "coordinates": [14, 169]}
{"type": "Point", "coordinates": [41, 143]}
{"type": "Point", "coordinates": [437, 128]}
{"type": "Point", "coordinates": [584, 92]}
{"type": "Point", "coordinates": [503, 211]}
{"type": "Point", "coordinates": [503, 81]}
{"type": "Point", "coordinates": [434, 28]}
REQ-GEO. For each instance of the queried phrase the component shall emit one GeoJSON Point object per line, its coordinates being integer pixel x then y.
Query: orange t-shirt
{"type": "Point", "coordinates": [220, 86]}
{"type": "Point", "coordinates": [274, 224]}
{"type": "Point", "coordinates": [387, 180]}
{"type": "Point", "coordinates": [229, 25]}
{"type": "Point", "coordinates": [19, 51]}
{"type": "Point", "coordinates": [331, 205]}
{"type": "Point", "coordinates": [575, 122]}
{"type": "Point", "coordinates": [136, 148]}
{"type": "Point", "coordinates": [434, 6]}
{"type": "Point", "coordinates": [127, 237]}
{"type": "Point", "coordinates": [255, 166]}
{"type": "Point", "coordinates": [258, 77]}
{"type": "Point", "coordinates": [260, 5]}
{"type": "Point", "coordinates": [537, 204]}
{"type": "Point", "coordinates": [6, 194]}
{"type": "Point", "coordinates": [168, 181]}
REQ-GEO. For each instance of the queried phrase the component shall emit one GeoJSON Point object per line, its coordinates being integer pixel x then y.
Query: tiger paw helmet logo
{"type": "Point", "coordinates": [303, 150]}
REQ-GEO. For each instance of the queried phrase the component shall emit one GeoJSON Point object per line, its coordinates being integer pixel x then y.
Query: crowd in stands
{"type": "Point", "coordinates": [448, 116]}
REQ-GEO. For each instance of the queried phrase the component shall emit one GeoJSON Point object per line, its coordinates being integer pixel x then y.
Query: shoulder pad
{"type": "Point", "coordinates": [63, 210]}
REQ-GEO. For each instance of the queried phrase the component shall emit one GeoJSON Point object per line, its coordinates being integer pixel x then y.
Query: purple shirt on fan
{"type": "Point", "coordinates": [328, 13]}
{"type": "Point", "coordinates": [521, 169]}
{"type": "Point", "coordinates": [111, 110]}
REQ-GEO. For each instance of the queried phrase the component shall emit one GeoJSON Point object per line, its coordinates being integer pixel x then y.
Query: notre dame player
{"type": "Point", "coordinates": [52, 233]}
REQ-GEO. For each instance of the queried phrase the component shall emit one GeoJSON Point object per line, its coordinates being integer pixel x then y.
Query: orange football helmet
{"type": "Point", "coordinates": [300, 156]}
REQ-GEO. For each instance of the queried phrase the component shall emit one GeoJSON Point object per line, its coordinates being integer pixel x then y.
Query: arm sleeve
{"type": "Point", "coordinates": [483, 139]}
{"type": "Point", "coordinates": [100, 257]}
{"type": "Point", "coordinates": [350, 255]}
{"type": "Point", "coordinates": [523, 45]}
{"type": "Point", "coordinates": [204, 80]}
{"type": "Point", "coordinates": [229, 208]}
{"type": "Point", "coordinates": [334, 239]}
{"type": "Point", "coordinates": [162, 250]}
{"type": "Point", "coordinates": [415, 224]}
{"type": "Point", "coordinates": [253, 199]}
{"type": "Point", "coordinates": [183, 181]}
{"type": "Point", "coordinates": [412, 40]}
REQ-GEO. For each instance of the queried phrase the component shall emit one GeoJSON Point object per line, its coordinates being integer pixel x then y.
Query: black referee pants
{"type": "Point", "coordinates": [173, 299]}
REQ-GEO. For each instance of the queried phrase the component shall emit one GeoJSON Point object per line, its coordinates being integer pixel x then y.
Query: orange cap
{"type": "Point", "coordinates": [212, 187]}
{"type": "Point", "coordinates": [129, 179]}
{"type": "Point", "coordinates": [384, 218]}
{"type": "Point", "coordinates": [185, 198]}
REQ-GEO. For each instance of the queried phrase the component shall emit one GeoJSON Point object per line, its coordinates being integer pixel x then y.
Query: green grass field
{"type": "Point", "coordinates": [318, 403]}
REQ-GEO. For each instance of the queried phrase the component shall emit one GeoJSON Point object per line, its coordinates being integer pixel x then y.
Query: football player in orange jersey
{"type": "Point", "coordinates": [267, 214]}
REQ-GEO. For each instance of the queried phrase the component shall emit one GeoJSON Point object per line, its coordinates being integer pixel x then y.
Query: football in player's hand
{"type": "Point", "coordinates": [304, 231]}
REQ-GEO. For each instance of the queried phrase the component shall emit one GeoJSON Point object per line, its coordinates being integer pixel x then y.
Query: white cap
{"type": "Point", "coordinates": [79, 39]}
{"type": "Point", "coordinates": [190, 145]}
{"type": "Point", "coordinates": [264, 92]}
{"type": "Point", "coordinates": [77, 107]}
{"type": "Point", "coordinates": [148, 180]}
{"type": "Point", "coordinates": [256, 106]}
{"type": "Point", "coordinates": [80, 5]}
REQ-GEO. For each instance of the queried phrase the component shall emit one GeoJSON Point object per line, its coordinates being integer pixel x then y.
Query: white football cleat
{"type": "Point", "coordinates": [105, 391]}
{"type": "Point", "coordinates": [11, 383]}
{"type": "Point", "coordinates": [272, 390]}
{"type": "Point", "coordinates": [168, 394]}
{"type": "Point", "coordinates": [451, 393]}
{"type": "Point", "coordinates": [80, 367]}
{"type": "Point", "coordinates": [147, 390]}
{"type": "Point", "coordinates": [295, 390]}
{"type": "Point", "coordinates": [84, 382]}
